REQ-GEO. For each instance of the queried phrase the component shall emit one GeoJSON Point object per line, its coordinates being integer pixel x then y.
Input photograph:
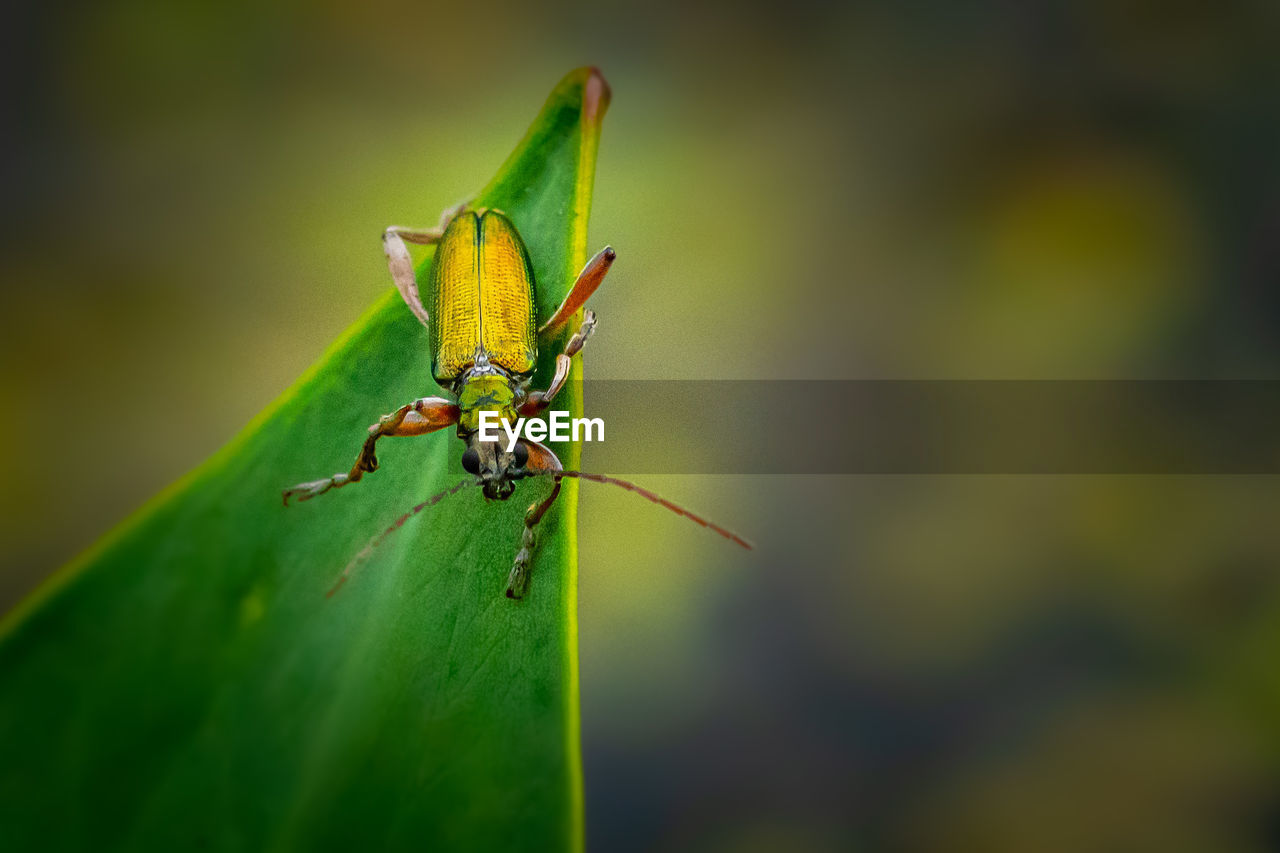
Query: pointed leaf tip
{"type": "Point", "coordinates": [595, 97]}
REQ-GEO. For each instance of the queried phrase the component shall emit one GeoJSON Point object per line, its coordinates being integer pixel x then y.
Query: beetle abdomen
{"type": "Point", "coordinates": [481, 295]}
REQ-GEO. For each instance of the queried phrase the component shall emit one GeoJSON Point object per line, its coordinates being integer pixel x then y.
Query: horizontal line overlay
{"type": "Point", "coordinates": [935, 426]}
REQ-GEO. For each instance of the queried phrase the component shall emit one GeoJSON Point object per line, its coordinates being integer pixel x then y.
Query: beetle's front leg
{"type": "Point", "coordinates": [417, 418]}
{"type": "Point", "coordinates": [541, 460]}
{"type": "Point", "coordinates": [539, 400]}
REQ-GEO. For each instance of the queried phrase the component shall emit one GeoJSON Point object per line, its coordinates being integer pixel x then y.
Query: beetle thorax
{"type": "Point", "coordinates": [486, 387]}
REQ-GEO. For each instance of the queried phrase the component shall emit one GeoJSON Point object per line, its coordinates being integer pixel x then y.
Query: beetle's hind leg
{"type": "Point", "coordinates": [588, 280]}
{"type": "Point", "coordinates": [401, 263]}
{"type": "Point", "coordinates": [417, 418]}
{"type": "Point", "coordinates": [428, 236]}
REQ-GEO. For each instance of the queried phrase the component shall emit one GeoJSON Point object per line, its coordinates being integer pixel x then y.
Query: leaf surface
{"type": "Point", "coordinates": [187, 685]}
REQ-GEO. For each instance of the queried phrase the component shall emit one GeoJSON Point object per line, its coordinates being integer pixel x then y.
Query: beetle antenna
{"type": "Point", "coordinates": [658, 499]}
{"type": "Point", "coordinates": [399, 522]}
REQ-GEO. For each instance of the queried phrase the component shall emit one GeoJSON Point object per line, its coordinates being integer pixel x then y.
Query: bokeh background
{"type": "Point", "coordinates": [193, 195]}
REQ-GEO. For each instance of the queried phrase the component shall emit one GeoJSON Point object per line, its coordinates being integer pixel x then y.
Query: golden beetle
{"type": "Point", "coordinates": [484, 348]}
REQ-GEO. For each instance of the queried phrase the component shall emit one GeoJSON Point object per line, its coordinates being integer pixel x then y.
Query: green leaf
{"type": "Point", "coordinates": [187, 685]}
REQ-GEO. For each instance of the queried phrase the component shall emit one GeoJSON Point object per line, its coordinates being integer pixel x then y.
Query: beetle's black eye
{"type": "Point", "coordinates": [471, 461]}
{"type": "Point", "coordinates": [521, 453]}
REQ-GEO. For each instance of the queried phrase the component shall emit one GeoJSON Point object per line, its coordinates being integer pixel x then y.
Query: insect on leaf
{"type": "Point", "coordinates": [187, 685]}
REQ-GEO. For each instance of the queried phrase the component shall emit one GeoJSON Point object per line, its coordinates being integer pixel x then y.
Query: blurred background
{"type": "Point", "coordinates": [192, 202]}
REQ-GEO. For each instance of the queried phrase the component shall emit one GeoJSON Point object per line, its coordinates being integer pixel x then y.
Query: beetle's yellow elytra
{"type": "Point", "coordinates": [455, 299]}
{"type": "Point", "coordinates": [506, 296]}
{"type": "Point", "coordinates": [481, 291]}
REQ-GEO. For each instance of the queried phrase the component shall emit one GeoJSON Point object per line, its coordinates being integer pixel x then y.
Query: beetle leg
{"type": "Point", "coordinates": [450, 213]}
{"type": "Point", "coordinates": [417, 418]}
{"type": "Point", "coordinates": [539, 400]}
{"type": "Point", "coordinates": [540, 459]}
{"type": "Point", "coordinates": [429, 236]}
{"type": "Point", "coordinates": [588, 280]}
{"type": "Point", "coordinates": [401, 263]}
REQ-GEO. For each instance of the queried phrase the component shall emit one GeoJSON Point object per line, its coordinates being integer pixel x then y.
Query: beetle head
{"type": "Point", "coordinates": [494, 468]}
